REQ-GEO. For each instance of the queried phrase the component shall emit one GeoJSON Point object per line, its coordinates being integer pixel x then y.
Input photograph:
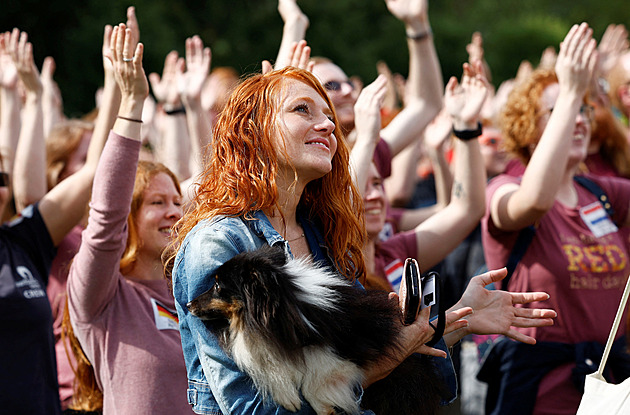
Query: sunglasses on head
{"type": "Point", "coordinates": [336, 85]}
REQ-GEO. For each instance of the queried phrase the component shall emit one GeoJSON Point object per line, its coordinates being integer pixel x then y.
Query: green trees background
{"type": "Point", "coordinates": [241, 33]}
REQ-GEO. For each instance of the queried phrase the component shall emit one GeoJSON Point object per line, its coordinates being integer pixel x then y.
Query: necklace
{"type": "Point", "coordinates": [295, 239]}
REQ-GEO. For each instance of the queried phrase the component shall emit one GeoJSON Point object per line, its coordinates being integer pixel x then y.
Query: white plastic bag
{"type": "Point", "coordinates": [601, 397]}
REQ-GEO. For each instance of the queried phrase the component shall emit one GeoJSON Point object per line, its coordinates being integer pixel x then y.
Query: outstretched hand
{"type": "Point", "coordinates": [165, 88]}
{"type": "Point", "coordinates": [613, 44]}
{"type": "Point", "coordinates": [21, 51]}
{"type": "Point", "coordinates": [464, 101]}
{"type": "Point", "coordinates": [409, 11]}
{"type": "Point", "coordinates": [198, 60]}
{"type": "Point", "coordinates": [126, 57]}
{"type": "Point", "coordinates": [576, 60]}
{"type": "Point", "coordinates": [495, 311]}
{"type": "Point", "coordinates": [438, 131]}
{"type": "Point", "coordinates": [8, 71]}
{"type": "Point", "coordinates": [367, 109]}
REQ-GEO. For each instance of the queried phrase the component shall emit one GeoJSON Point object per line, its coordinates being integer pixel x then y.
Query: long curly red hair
{"type": "Point", "coordinates": [242, 165]}
{"type": "Point", "coordinates": [521, 115]}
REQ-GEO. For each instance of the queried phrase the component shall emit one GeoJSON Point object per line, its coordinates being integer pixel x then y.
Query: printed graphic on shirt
{"type": "Point", "coordinates": [387, 232]}
{"type": "Point", "coordinates": [28, 285]}
{"type": "Point", "coordinates": [597, 220]}
{"type": "Point", "coordinates": [394, 273]}
{"type": "Point", "coordinates": [595, 266]}
{"type": "Point", "coordinates": [165, 318]}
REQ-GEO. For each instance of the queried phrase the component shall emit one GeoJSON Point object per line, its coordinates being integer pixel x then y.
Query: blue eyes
{"type": "Point", "coordinates": [306, 110]}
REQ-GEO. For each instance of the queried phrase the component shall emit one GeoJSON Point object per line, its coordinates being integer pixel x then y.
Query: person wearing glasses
{"type": "Point", "coordinates": [423, 97]}
{"type": "Point", "coordinates": [577, 252]}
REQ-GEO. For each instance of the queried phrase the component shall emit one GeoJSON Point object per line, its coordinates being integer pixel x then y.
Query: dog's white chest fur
{"type": "Point", "coordinates": [325, 380]}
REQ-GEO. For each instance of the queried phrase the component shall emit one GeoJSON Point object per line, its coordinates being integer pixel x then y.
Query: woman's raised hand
{"type": "Point", "coordinates": [577, 59]}
{"type": "Point", "coordinates": [464, 101]}
{"type": "Point", "coordinates": [126, 55]}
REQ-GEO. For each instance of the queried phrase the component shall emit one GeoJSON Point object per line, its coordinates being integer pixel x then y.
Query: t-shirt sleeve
{"type": "Point", "coordinates": [29, 231]}
{"type": "Point", "coordinates": [383, 159]}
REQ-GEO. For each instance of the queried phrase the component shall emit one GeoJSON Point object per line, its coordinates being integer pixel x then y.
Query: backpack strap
{"type": "Point", "coordinates": [595, 189]}
{"type": "Point", "coordinates": [526, 235]}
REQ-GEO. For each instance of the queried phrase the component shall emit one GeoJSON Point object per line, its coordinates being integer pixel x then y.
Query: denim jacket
{"type": "Point", "coordinates": [215, 384]}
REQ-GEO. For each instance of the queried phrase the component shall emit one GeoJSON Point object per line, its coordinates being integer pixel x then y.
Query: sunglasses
{"type": "Point", "coordinates": [4, 179]}
{"type": "Point", "coordinates": [336, 85]}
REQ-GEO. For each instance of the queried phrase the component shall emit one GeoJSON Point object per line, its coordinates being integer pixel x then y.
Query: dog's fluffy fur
{"type": "Point", "coordinates": [293, 327]}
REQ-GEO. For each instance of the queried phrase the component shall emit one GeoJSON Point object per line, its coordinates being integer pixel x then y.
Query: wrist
{"type": "Point", "coordinates": [419, 35]}
{"type": "Point", "coordinates": [130, 108]}
{"type": "Point", "coordinates": [417, 26]}
{"type": "Point", "coordinates": [466, 131]}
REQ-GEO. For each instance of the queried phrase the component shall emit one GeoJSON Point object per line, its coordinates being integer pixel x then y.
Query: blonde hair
{"type": "Point", "coordinates": [63, 140]}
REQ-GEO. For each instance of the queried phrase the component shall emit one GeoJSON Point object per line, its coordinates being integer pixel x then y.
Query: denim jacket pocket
{"type": "Point", "coordinates": [201, 398]}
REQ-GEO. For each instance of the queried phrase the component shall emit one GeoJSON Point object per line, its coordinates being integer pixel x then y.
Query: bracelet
{"type": "Point", "coordinates": [129, 119]}
{"type": "Point", "coordinates": [419, 36]}
{"type": "Point", "coordinates": [466, 135]}
{"type": "Point", "coordinates": [175, 111]}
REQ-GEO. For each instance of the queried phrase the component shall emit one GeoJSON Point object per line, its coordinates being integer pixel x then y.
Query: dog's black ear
{"type": "Point", "coordinates": [276, 255]}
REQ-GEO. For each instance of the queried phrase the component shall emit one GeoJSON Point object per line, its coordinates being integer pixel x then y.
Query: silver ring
{"type": "Point", "coordinates": [127, 59]}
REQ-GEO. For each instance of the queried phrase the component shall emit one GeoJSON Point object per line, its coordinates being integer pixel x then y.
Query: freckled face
{"type": "Point", "coordinates": [306, 130]}
{"type": "Point", "coordinates": [581, 131]}
{"type": "Point", "coordinates": [375, 205]}
{"type": "Point", "coordinates": [160, 209]}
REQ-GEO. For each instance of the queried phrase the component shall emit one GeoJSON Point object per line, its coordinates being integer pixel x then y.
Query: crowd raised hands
{"type": "Point", "coordinates": [428, 122]}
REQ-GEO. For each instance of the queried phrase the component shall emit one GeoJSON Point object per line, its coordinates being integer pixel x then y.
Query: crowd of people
{"type": "Point", "coordinates": [518, 196]}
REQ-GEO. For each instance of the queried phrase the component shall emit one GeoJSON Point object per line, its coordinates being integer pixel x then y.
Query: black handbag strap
{"type": "Point", "coordinates": [526, 235]}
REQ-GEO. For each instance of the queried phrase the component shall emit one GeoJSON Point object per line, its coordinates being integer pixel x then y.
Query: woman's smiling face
{"type": "Point", "coordinates": [306, 133]}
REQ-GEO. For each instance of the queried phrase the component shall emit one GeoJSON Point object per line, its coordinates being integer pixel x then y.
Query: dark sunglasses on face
{"type": "Point", "coordinates": [4, 179]}
{"type": "Point", "coordinates": [336, 85]}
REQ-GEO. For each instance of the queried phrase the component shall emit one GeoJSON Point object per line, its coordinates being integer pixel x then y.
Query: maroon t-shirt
{"type": "Point", "coordinates": [583, 273]}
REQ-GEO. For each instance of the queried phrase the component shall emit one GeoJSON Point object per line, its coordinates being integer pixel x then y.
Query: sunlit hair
{"type": "Point", "coordinates": [522, 113]}
{"type": "Point", "coordinates": [63, 140]}
{"type": "Point", "coordinates": [617, 77]}
{"type": "Point", "coordinates": [240, 176]}
{"type": "Point", "coordinates": [87, 395]}
{"type": "Point", "coordinates": [223, 78]}
{"type": "Point", "coordinates": [611, 137]}
{"type": "Point", "coordinates": [147, 170]}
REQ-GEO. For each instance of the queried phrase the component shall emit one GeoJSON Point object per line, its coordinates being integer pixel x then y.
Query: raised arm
{"type": "Point", "coordinates": [367, 114]}
{"type": "Point", "coordinates": [173, 146]}
{"type": "Point", "coordinates": [437, 236]}
{"type": "Point", "coordinates": [29, 171]}
{"type": "Point", "coordinates": [197, 69]}
{"type": "Point", "coordinates": [65, 204]}
{"type": "Point", "coordinates": [294, 30]}
{"type": "Point", "coordinates": [423, 97]}
{"type": "Point", "coordinates": [514, 207]}
{"type": "Point", "coordinates": [10, 105]}
{"type": "Point", "coordinates": [52, 104]}
{"type": "Point", "coordinates": [436, 138]}
{"type": "Point", "coordinates": [91, 281]}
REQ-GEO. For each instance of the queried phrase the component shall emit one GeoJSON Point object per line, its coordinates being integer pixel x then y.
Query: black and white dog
{"type": "Point", "coordinates": [293, 327]}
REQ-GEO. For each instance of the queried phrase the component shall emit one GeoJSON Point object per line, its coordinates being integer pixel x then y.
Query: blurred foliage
{"type": "Point", "coordinates": [353, 33]}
